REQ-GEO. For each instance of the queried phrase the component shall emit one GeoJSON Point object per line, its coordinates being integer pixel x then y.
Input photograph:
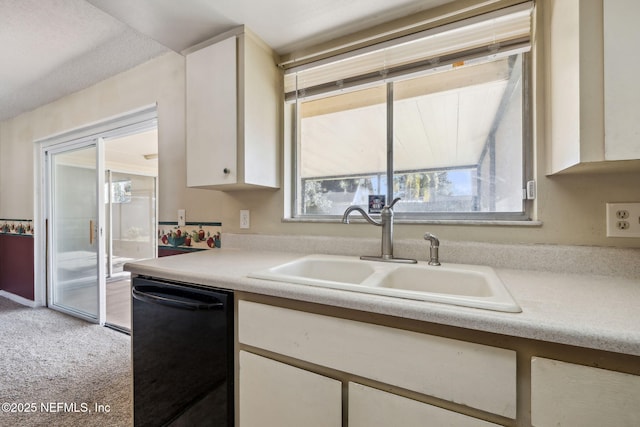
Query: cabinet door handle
{"type": "Point", "coordinates": [226, 171]}
{"type": "Point", "coordinates": [91, 232]}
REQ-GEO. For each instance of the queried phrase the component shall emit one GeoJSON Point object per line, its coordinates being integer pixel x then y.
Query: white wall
{"type": "Point", "coordinates": [160, 80]}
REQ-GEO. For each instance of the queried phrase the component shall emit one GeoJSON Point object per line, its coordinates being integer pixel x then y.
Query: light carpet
{"type": "Point", "coordinates": [56, 370]}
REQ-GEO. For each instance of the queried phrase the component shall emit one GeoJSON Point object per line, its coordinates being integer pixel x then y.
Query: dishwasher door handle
{"type": "Point", "coordinates": [171, 302]}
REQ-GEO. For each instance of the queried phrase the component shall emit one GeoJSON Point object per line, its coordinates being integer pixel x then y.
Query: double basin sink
{"type": "Point", "coordinates": [457, 284]}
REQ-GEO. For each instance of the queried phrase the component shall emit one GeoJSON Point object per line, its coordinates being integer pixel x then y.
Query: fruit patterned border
{"type": "Point", "coordinates": [193, 235]}
{"type": "Point", "coordinates": [20, 227]}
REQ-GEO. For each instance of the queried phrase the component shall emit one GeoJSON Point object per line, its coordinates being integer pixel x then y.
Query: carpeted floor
{"type": "Point", "coordinates": [56, 370]}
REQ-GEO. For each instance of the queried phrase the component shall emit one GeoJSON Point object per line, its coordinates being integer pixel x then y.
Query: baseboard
{"type": "Point", "coordinates": [18, 299]}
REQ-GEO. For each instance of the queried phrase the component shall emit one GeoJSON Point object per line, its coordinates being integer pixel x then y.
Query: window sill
{"type": "Point", "coordinates": [473, 222]}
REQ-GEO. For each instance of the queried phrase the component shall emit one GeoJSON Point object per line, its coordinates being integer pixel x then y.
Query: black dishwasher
{"type": "Point", "coordinates": [182, 344]}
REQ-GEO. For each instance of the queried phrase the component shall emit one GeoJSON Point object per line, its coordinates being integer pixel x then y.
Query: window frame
{"type": "Point", "coordinates": [294, 193]}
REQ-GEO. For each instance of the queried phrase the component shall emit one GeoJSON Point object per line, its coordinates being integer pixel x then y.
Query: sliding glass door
{"type": "Point", "coordinates": [76, 219]}
{"type": "Point", "coordinates": [131, 219]}
{"type": "Point", "coordinates": [98, 210]}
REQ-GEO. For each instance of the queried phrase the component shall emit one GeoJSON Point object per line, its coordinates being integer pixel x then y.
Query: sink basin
{"type": "Point", "coordinates": [440, 280]}
{"type": "Point", "coordinates": [318, 269]}
{"type": "Point", "coordinates": [455, 284]}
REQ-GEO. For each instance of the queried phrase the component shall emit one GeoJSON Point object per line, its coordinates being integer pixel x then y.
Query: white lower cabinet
{"type": "Point", "coordinates": [370, 407]}
{"type": "Point", "coordinates": [273, 394]}
{"type": "Point", "coordinates": [566, 394]}
{"type": "Point", "coordinates": [468, 374]}
{"type": "Point", "coordinates": [382, 376]}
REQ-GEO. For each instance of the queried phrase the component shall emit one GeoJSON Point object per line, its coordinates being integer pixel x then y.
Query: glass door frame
{"type": "Point", "coordinates": [145, 117]}
{"type": "Point", "coordinates": [98, 232]}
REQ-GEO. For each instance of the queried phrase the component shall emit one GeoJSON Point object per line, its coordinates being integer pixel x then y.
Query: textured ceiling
{"type": "Point", "coordinates": [51, 48]}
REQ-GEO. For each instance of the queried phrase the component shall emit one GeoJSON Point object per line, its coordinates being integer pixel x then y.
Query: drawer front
{"type": "Point", "coordinates": [574, 395]}
{"type": "Point", "coordinates": [469, 374]}
{"type": "Point", "coordinates": [273, 394]}
{"type": "Point", "coordinates": [370, 407]}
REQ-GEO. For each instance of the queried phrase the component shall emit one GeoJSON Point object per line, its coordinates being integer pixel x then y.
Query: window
{"type": "Point", "coordinates": [438, 120]}
{"type": "Point", "coordinates": [120, 192]}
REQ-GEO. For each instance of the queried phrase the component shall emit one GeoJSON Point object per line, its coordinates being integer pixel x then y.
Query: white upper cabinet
{"type": "Point", "coordinates": [233, 94]}
{"type": "Point", "coordinates": [621, 71]}
{"type": "Point", "coordinates": [592, 116]}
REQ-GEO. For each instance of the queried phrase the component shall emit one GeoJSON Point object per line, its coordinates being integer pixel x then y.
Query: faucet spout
{"type": "Point", "coordinates": [386, 222]}
{"type": "Point", "coordinates": [345, 216]}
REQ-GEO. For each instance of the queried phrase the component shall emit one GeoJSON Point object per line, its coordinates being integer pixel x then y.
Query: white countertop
{"type": "Point", "coordinates": [592, 311]}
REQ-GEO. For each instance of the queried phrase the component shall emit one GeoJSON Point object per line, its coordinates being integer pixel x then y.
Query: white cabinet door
{"type": "Point", "coordinates": [621, 71]}
{"type": "Point", "coordinates": [273, 394]}
{"type": "Point", "coordinates": [369, 407]}
{"type": "Point", "coordinates": [211, 115]}
{"type": "Point", "coordinates": [565, 394]}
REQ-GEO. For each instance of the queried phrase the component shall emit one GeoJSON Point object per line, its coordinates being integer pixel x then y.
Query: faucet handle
{"type": "Point", "coordinates": [393, 202]}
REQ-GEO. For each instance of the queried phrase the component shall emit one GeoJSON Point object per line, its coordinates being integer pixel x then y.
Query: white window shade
{"type": "Point", "coordinates": [500, 32]}
{"type": "Point", "coordinates": [345, 134]}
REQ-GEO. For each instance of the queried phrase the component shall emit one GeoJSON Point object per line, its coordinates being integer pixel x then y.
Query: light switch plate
{"type": "Point", "coordinates": [623, 219]}
{"type": "Point", "coordinates": [181, 218]}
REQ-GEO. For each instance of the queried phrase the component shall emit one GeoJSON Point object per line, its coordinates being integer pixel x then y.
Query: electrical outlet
{"type": "Point", "coordinates": [245, 218]}
{"type": "Point", "coordinates": [623, 219]}
{"type": "Point", "coordinates": [182, 218]}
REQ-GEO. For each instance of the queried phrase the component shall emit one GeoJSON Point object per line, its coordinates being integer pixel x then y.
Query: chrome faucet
{"type": "Point", "coordinates": [386, 222]}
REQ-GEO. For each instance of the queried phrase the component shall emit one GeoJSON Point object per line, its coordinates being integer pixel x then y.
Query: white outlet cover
{"type": "Point", "coordinates": [245, 219]}
{"type": "Point", "coordinates": [623, 219]}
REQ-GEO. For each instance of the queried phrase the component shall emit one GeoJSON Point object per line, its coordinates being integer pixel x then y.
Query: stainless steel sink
{"type": "Point", "coordinates": [456, 284]}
